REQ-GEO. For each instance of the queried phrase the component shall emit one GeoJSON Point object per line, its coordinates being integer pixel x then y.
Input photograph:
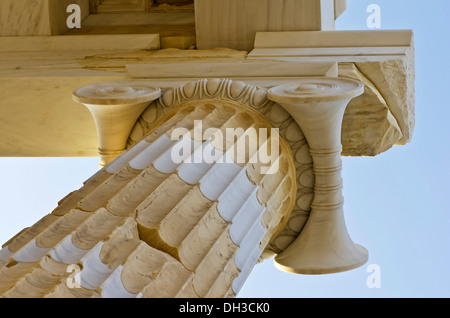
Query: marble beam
{"type": "Point", "coordinates": [384, 57]}
{"type": "Point", "coordinates": [234, 23]}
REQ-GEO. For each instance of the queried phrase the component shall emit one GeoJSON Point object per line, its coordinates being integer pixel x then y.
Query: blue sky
{"type": "Point", "coordinates": [395, 204]}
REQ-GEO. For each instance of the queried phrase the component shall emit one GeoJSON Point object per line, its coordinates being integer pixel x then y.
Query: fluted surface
{"type": "Point", "coordinates": [148, 225]}
{"type": "Point", "coordinates": [255, 98]}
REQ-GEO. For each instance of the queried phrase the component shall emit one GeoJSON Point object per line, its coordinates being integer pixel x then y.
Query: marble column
{"type": "Point", "coordinates": [324, 246]}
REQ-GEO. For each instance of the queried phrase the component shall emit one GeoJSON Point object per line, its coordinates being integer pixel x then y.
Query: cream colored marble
{"type": "Point", "coordinates": [384, 57]}
{"type": "Point", "coordinates": [175, 24]}
{"type": "Point", "coordinates": [82, 44]}
{"type": "Point", "coordinates": [24, 17]}
{"type": "Point", "coordinates": [235, 70]}
{"type": "Point", "coordinates": [363, 135]}
{"type": "Point", "coordinates": [340, 54]}
{"type": "Point", "coordinates": [38, 75]}
{"type": "Point", "coordinates": [115, 107]}
{"type": "Point", "coordinates": [369, 128]}
{"type": "Point", "coordinates": [168, 6]}
{"type": "Point", "coordinates": [127, 18]}
{"type": "Point", "coordinates": [121, 5]}
{"type": "Point", "coordinates": [254, 97]}
{"type": "Point", "coordinates": [234, 23]}
{"type": "Point", "coordinates": [121, 61]}
{"type": "Point", "coordinates": [146, 226]}
{"type": "Point", "coordinates": [36, 17]}
{"type": "Point", "coordinates": [333, 39]}
{"type": "Point", "coordinates": [159, 235]}
{"type": "Point", "coordinates": [395, 79]}
{"type": "Point", "coordinates": [324, 245]}
{"type": "Point", "coordinates": [339, 7]}
{"type": "Point", "coordinates": [45, 121]}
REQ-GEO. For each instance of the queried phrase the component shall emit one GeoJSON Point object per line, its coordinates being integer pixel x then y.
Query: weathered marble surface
{"type": "Point", "coordinates": [370, 124]}
{"type": "Point", "coordinates": [382, 117]}
{"type": "Point", "coordinates": [39, 118]}
{"type": "Point", "coordinates": [61, 46]}
{"type": "Point", "coordinates": [36, 17]}
{"type": "Point", "coordinates": [234, 23]}
{"type": "Point", "coordinates": [115, 107]}
{"type": "Point", "coordinates": [324, 245]}
{"type": "Point", "coordinates": [269, 70]}
{"type": "Point", "coordinates": [395, 79]}
{"type": "Point", "coordinates": [38, 76]}
{"type": "Point", "coordinates": [146, 227]}
{"type": "Point", "coordinates": [383, 57]}
{"type": "Point", "coordinates": [370, 127]}
{"type": "Point", "coordinates": [24, 17]}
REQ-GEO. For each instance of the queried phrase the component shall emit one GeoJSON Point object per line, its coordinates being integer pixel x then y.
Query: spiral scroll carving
{"type": "Point", "coordinates": [256, 98]}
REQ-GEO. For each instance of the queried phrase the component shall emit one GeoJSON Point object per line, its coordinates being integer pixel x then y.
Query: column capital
{"type": "Point", "coordinates": [316, 89]}
{"type": "Point", "coordinates": [318, 105]}
{"type": "Point", "coordinates": [115, 107]}
{"type": "Point", "coordinates": [324, 245]}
